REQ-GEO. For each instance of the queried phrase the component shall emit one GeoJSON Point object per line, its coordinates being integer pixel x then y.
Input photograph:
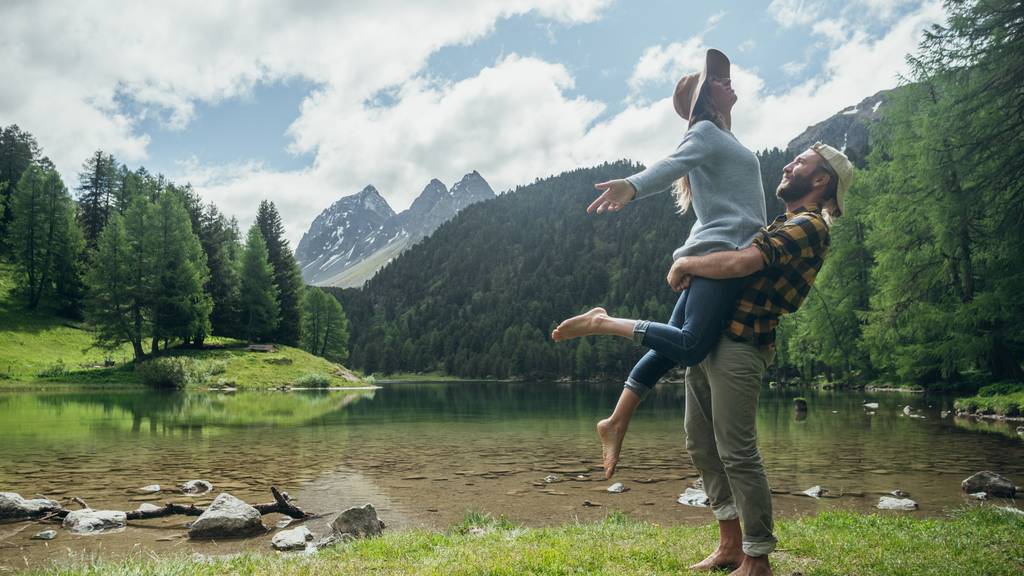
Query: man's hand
{"type": "Point", "coordinates": [614, 195]}
{"type": "Point", "coordinates": [679, 275]}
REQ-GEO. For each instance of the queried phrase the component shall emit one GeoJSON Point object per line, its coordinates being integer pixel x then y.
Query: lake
{"type": "Point", "coordinates": [426, 453]}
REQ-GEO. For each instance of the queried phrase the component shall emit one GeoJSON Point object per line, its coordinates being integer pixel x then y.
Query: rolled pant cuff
{"type": "Point", "coordinates": [726, 512]}
{"type": "Point", "coordinates": [756, 548]}
{"type": "Point", "coordinates": [639, 331]}
{"type": "Point", "coordinates": [639, 389]}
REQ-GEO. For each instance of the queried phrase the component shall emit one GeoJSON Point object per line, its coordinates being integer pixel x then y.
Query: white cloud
{"type": "Point", "coordinates": [660, 64]}
{"type": "Point", "coordinates": [716, 18]}
{"type": "Point", "coordinates": [789, 13]}
{"type": "Point", "coordinates": [852, 71]}
{"type": "Point", "coordinates": [794, 68]}
{"type": "Point", "coordinates": [76, 60]}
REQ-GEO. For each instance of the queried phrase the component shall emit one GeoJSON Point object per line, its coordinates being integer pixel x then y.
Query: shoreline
{"type": "Point", "coordinates": [979, 539]}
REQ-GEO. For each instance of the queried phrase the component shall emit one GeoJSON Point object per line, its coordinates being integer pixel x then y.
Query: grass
{"type": "Point", "coordinates": [981, 540]}
{"type": "Point", "coordinates": [1002, 398]}
{"type": "Point", "coordinates": [41, 349]}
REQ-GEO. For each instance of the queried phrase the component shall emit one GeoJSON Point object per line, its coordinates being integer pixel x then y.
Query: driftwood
{"type": "Point", "coordinates": [282, 504]}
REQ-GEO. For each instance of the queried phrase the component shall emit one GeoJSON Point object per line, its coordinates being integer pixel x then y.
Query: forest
{"type": "Point", "coordinates": [143, 261]}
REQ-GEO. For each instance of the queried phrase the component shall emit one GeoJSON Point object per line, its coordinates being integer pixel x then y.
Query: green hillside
{"type": "Point", "coordinates": [43, 348]}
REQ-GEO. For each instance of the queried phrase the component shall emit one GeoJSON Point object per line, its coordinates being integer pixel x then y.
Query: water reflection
{"type": "Point", "coordinates": [427, 452]}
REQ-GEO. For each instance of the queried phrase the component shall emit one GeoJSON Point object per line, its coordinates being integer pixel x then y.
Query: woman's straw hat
{"type": "Point", "coordinates": [716, 64]}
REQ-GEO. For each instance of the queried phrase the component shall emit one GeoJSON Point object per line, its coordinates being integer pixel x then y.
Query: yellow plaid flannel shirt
{"type": "Point", "coordinates": [793, 248]}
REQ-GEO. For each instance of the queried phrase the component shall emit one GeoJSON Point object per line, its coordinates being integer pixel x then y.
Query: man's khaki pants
{"type": "Point", "coordinates": [721, 437]}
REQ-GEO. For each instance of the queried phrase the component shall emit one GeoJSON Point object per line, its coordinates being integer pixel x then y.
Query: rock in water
{"type": "Point", "coordinates": [45, 535]}
{"type": "Point", "coordinates": [12, 505]}
{"type": "Point", "coordinates": [617, 488]}
{"type": "Point", "coordinates": [358, 522]}
{"type": "Point", "coordinates": [979, 496]}
{"type": "Point", "coordinates": [907, 410]}
{"type": "Point", "coordinates": [694, 497]}
{"type": "Point", "coordinates": [888, 503]}
{"type": "Point", "coordinates": [94, 521]}
{"type": "Point", "coordinates": [991, 483]}
{"type": "Point", "coordinates": [294, 539]}
{"type": "Point", "coordinates": [147, 507]}
{"type": "Point", "coordinates": [227, 517]}
{"type": "Point", "coordinates": [871, 405]}
{"type": "Point", "coordinates": [196, 487]}
{"type": "Point", "coordinates": [151, 489]}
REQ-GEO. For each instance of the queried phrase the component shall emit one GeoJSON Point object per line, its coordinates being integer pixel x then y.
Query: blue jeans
{"type": "Point", "coordinates": [696, 324]}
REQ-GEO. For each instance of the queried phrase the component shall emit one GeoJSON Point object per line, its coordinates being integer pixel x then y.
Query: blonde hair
{"type": "Point", "coordinates": [704, 109]}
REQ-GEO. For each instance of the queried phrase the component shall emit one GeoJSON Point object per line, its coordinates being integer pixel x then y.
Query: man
{"type": "Point", "coordinates": [722, 390]}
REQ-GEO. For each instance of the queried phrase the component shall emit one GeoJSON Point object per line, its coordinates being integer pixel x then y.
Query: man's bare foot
{"type": "Point", "coordinates": [583, 325]}
{"type": "Point", "coordinates": [611, 444]}
{"type": "Point", "coordinates": [721, 560]}
{"type": "Point", "coordinates": [753, 566]}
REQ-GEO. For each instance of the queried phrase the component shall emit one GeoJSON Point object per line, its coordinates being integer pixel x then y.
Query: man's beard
{"type": "Point", "coordinates": [796, 188]}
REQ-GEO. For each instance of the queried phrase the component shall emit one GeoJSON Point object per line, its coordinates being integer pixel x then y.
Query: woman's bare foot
{"type": "Point", "coordinates": [721, 560]}
{"type": "Point", "coordinates": [611, 444]}
{"type": "Point", "coordinates": [585, 324]}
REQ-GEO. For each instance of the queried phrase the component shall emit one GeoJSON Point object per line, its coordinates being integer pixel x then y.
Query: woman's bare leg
{"type": "Point", "coordinates": [595, 322]}
{"type": "Point", "coordinates": [612, 430]}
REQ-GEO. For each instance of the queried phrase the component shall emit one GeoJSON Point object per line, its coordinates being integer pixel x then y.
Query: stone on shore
{"type": "Point", "coordinates": [889, 503]}
{"type": "Point", "coordinates": [196, 487]}
{"type": "Point", "coordinates": [227, 517]}
{"type": "Point", "coordinates": [990, 483]}
{"type": "Point", "coordinates": [617, 488]}
{"type": "Point", "coordinates": [12, 505]}
{"type": "Point", "coordinates": [45, 535]}
{"type": "Point", "coordinates": [358, 522]}
{"type": "Point", "coordinates": [694, 497]}
{"type": "Point", "coordinates": [815, 492]}
{"type": "Point", "coordinates": [89, 521]}
{"type": "Point", "coordinates": [294, 539]}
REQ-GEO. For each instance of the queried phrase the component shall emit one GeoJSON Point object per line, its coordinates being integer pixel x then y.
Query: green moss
{"type": "Point", "coordinates": [982, 540]}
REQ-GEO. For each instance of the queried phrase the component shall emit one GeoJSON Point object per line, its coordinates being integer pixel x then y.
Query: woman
{"type": "Point", "coordinates": [721, 179]}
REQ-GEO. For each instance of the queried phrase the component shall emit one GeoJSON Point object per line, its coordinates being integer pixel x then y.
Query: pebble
{"type": "Point", "coordinates": [45, 535]}
{"type": "Point", "coordinates": [617, 488]}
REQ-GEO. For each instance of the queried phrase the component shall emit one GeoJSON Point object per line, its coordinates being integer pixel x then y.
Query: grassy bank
{"type": "Point", "coordinates": [1000, 399]}
{"type": "Point", "coordinates": [41, 349]}
{"type": "Point", "coordinates": [983, 540]}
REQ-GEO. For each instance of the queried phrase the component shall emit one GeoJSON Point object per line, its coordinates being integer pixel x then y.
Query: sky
{"type": "Point", "coordinates": [304, 101]}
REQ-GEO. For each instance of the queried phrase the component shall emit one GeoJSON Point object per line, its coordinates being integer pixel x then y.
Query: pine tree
{"type": "Point", "coordinates": [181, 309]}
{"type": "Point", "coordinates": [287, 276]}
{"type": "Point", "coordinates": [111, 308]}
{"type": "Point", "coordinates": [142, 269]}
{"type": "Point", "coordinates": [40, 230]}
{"type": "Point", "coordinates": [219, 237]}
{"type": "Point", "coordinates": [324, 326]}
{"type": "Point", "coordinates": [258, 294]}
{"type": "Point", "coordinates": [97, 194]}
{"type": "Point", "coordinates": [18, 150]}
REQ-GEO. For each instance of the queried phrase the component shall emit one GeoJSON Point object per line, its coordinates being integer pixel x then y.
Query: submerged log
{"type": "Point", "coordinates": [282, 504]}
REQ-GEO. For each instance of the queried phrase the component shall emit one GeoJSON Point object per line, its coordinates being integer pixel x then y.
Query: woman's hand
{"type": "Point", "coordinates": [614, 195]}
{"type": "Point", "coordinates": [679, 275]}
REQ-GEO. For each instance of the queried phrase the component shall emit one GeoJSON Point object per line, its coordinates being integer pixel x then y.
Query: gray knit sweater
{"type": "Point", "coordinates": [725, 181]}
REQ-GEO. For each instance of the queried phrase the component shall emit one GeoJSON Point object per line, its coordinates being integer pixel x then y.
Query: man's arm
{"type": "Point", "coordinates": [717, 266]}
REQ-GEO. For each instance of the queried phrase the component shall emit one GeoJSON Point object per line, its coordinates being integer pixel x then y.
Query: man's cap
{"type": "Point", "coordinates": [841, 165]}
